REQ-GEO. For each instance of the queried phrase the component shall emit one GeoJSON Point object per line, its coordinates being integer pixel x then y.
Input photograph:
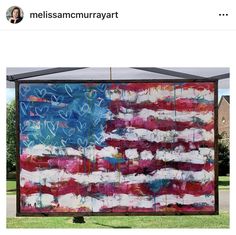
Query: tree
{"type": "Point", "coordinates": [11, 137]}
{"type": "Point", "coordinates": [223, 158]}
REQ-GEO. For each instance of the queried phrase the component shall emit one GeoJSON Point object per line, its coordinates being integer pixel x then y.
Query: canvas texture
{"type": "Point", "coordinates": [116, 147]}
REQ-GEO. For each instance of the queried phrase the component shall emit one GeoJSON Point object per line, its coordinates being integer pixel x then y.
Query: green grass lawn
{"type": "Point", "coordinates": [224, 182]}
{"type": "Point", "coordinates": [11, 187]}
{"type": "Point", "coordinates": [199, 221]}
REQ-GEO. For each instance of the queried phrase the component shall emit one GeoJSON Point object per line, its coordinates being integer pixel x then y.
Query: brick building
{"type": "Point", "coordinates": [223, 117]}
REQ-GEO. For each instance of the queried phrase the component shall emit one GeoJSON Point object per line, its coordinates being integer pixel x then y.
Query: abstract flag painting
{"type": "Point", "coordinates": [124, 147]}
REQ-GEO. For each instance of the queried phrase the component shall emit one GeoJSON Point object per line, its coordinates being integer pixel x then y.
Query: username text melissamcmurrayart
{"type": "Point", "coordinates": [74, 15]}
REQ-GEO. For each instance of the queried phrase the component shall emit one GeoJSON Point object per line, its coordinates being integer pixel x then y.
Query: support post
{"type": "Point", "coordinates": [78, 220]}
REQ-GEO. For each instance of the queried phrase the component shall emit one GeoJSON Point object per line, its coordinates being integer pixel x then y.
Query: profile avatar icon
{"type": "Point", "coordinates": [14, 15]}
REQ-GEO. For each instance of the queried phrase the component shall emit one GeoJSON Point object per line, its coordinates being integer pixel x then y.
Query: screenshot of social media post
{"type": "Point", "coordinates": [116, 115]}
{"type": "Point", "coordinates": [118, 15]}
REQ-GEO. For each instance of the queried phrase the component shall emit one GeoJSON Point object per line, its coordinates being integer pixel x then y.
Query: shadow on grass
{"type": "Point", "coordinates": [11, 190]}
{"type": "Point", "coordinates": [105, 225]}
{"type": "Point", "coordinates": [223, 183]}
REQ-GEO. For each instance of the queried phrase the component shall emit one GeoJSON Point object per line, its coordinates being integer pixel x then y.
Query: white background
{"type": "Point", "coordinates": [123, 48]}
{"type": "Point", "coordinates": [133, 14]}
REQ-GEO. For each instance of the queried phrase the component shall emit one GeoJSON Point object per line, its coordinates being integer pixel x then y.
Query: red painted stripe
{"type": "Point", "coordinates": [162, 209]}
{"type": "Point", "coordinates": [55, 208]}
{"type": "Point", "coordinates": [75, 165]}
{"type": "Point", "coordinates": [121, 209]}
{"type": "Point", "coordinates": [180, 105]}
{"type": "Point", "coordinates": [147, 167]}
{"type": "Point", "coordinates": [185, 208]}
{"type": "Point", "coordinates": [175, 187]}
{"type": "Point", "coordinates": [197, 86]}
{"type": "Point", "coordinates": [142, 145]}
{"type": "Point", "coordinates": [69, 164]}
{"type": "Point", "coordinates": [163, 86]}
{"type": "Point", "coordinates": [140, 86]}
{"type": "Point", "coordinates": [153, 124]}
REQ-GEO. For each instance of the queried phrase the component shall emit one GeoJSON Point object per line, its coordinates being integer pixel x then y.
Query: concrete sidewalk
{"type": "Point", "coordinates": [223, 199]}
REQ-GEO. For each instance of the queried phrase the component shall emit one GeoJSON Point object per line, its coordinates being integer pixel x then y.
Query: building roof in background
{"type": "Point", "coordinates": [226, 97]}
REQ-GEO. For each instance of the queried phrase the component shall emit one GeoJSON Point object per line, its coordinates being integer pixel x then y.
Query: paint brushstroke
{"type": "Point", "coordinates": [123, 147]}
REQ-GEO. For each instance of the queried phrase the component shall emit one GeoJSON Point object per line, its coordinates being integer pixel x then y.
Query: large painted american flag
{"type": "Point", "coordinates": [125, 147]}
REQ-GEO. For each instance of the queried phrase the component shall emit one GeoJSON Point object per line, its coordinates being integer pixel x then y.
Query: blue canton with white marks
{"type": "Point", "coordinates": [63, 115]}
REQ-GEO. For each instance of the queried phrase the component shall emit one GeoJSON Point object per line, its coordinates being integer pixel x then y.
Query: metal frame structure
{"type": "Point", "coordinates": [167, 72]}
{"type": "Point", "coordinates": [16, 77]}
{"type": "Point", "coordinates": [202, 80]}
{"type": "Point", "coordinates": [183, 75]}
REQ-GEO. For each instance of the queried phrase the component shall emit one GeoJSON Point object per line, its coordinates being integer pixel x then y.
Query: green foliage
{"type": "Point", "coordinates": [223, 182]}
{"type": "Point", "coordinates": [223, 158]}
{"type": "Point", "coordinates": [11, 187]}
{"type": "Point", "coordinates": [11, 137]}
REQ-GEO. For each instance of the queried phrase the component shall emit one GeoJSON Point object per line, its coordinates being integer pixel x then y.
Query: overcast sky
{"type": "Point", "coordinates": [120, 73]}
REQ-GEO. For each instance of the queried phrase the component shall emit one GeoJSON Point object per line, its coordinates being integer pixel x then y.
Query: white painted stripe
{"type": "Point", "coordinates": [188, 135]}
{"type": "Point", "coordinates": [171, 174]}
{"type": "Point", "coordinates": [195, 156]}
{"type": "Point", "coordinates": [39, 199]}
{"type": "Point", "coordinates": [89, 152]}
{"type": "Point", "coordinates": [74, 202]}
{"type": "Point", "coordinates": [154, 94]}
{"type": "Point", "coordinates": [131, 153]}
{"type": "Point", "coordinates": [199, 156]}
{"type": "Point", "coordinates": [173, 115]}
{"type": "Point", "coordinates": [187, 199]}
{"type": "Point", "coordinates": [47, 177]}
{"type": "Point", "coordinates": [146, 155]}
